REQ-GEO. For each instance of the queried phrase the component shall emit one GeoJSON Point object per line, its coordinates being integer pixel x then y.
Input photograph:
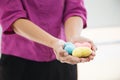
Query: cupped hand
{"type": "Point", "coordinates": [62, 55]}
{"type": "Point", "coordinates": [93, 47]}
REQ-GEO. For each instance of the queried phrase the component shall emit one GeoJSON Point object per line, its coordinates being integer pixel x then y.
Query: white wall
{"type": "Point", "coordinates": [103, 13]}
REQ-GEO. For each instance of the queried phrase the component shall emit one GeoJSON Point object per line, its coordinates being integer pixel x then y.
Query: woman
{"type": "Point", "coordinates": [33, 36]}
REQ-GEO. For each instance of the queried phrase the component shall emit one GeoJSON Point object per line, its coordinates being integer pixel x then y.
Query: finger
{"type": "Point", "coordinates": [94, 47]}
{"type": "Point", "coordinates": [71, 59]}
{"type": "Point", "coordinates": [74, 59]}
{"type": "Point", "coordinates": [62, 56]}
{"type": "Point", "coordinates": [91, 57]}
{"type": "Point", "coordinates": [63, 53]}
{"type": "Point", "coordinates": [69, 62]}
{"type": "Point", "coordinates": [84, 59]}
{"type": "Point", "coordinates": [93, 53]}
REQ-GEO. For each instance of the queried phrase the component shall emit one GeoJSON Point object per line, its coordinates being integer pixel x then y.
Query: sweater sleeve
{"type": "Point", "coordinates": [75, 8]}
{"type": "Point", "coordinates": [10, 10]}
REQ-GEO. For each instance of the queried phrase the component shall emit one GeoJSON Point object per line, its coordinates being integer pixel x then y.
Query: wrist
{"type": "Point", "coordinates": [58, 43]}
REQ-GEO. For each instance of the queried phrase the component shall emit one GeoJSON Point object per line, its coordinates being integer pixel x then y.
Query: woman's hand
{"type": "Point", "coordinates": [93, 47]}
{"type": "Point", "coordinates": [62, 55]}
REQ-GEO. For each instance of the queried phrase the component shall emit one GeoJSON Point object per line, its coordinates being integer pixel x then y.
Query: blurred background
{"type": "Point", "coordinates": [104, 30]}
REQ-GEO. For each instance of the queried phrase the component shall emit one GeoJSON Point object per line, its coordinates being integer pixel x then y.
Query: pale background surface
{"type": "Point", "coordinates": [103, 13]}
{"type": "Point", "coordinates": [104, 29]}
{"type": "Point", "coordinates": [106, 65]}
